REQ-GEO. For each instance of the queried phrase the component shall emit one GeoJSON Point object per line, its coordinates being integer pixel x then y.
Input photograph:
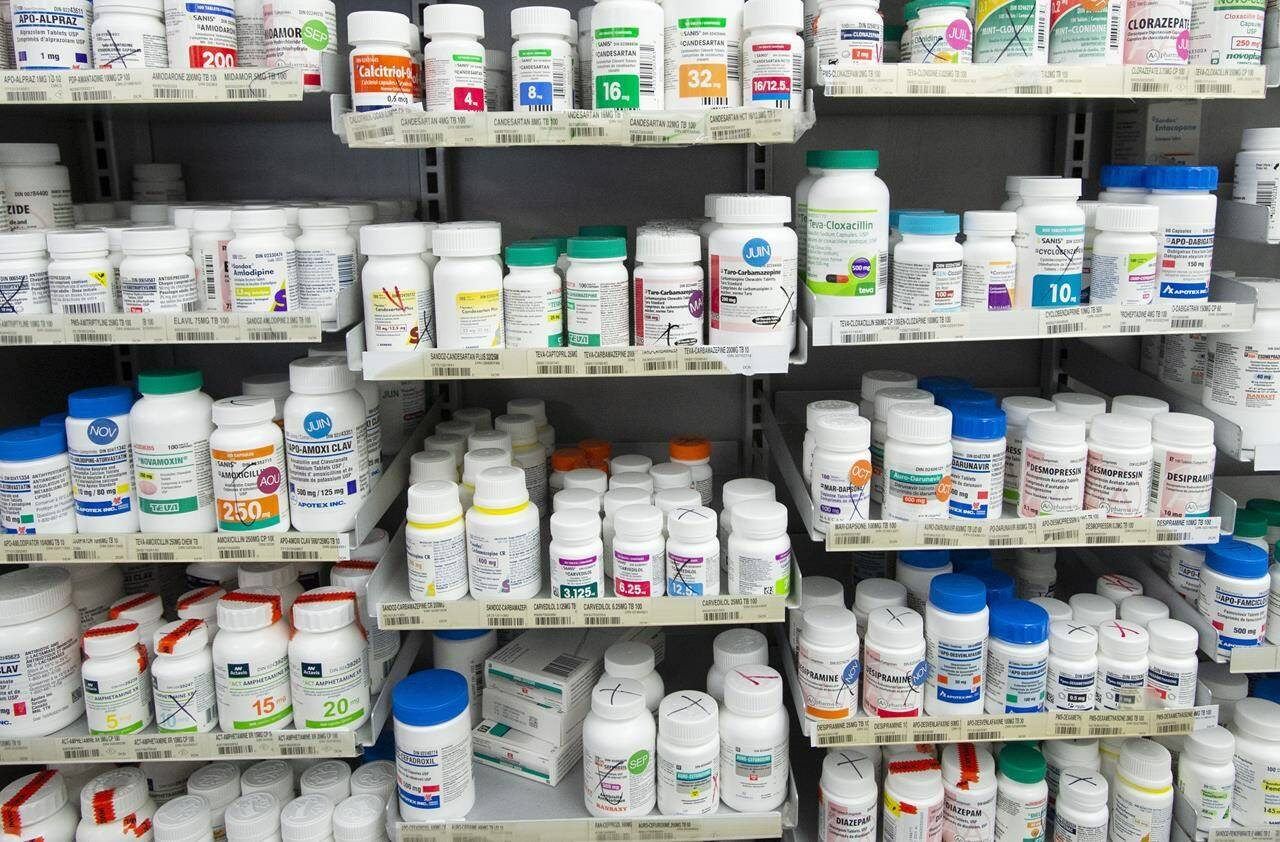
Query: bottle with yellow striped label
{"type": "Point", "coordinates": [435, 542]}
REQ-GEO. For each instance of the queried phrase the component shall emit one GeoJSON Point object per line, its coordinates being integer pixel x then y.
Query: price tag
{"type": "Point", "coordinates": [27, 549]}
{"type": "Point", "coordinates": [228, 546]}
{"type": "Point", "coordinates": [1206, 316]}
{"type": "Point", "coordinates": [1062, 530]}
{"type": "Point", "coordinates": [665, 127]}
{"type": "Point", "coordinates": [1245, 834]}
{"type": "Point", "coordinates": [99, 548]}
{"type": "Point", "coordinates": [1019, 532]}
{"type": "Point", "coordinates": [526, 129]}
{"type": "Point", "coordinates": [867, 80]}
{"type": "Point", "coordinates": [169, 547]}
{"type": "Point", "coordinates": [906, 327]}
{"type": "Point", "coordinates": [1114, 532]}
{"type": "Point", "coordinates": [423, 130]}
{"type": "Point", "coordinates": [736, 609]}
{"type": "Point", "coordinates": [951, 533]}
{"type": "Point", "coordinates": [1152, 319]}
{"type": "Point", "coordinates": [1229, 82]}
{"type": "Point", "coordinates": [506, 615]}
{"type": "Point", "coordinates": [267, 327]}
{"type": "Point", "coordinates": [555, 362]}
{"type": "Point", "coordinates": [846, 732]}
{"type": "Point", "coordinates": [870, 535]}
{"type": "Point", "coordinates": [653, 362]}
{"type": "Point", "coordinates": [1186, 530]}
{"type": "Point", "coordinates": [372, 128]}
{"type": "Point", "coordinates": [394, 365]}
{"type": "Point", "coordinates": [611, 362]}
{"type": "Point", "coordinates": [1066, 724]}
{"type": "Point", "coordinates": [1079, 320]}
{"type": "Point", "coordinates": [15, 751]}
{"type": "Point", "coordinates": [240, 744]}
{"type": "Point", "coordinates": [315, 743]}
{"type": "Point", "coordinates": [617, 612]}
{"type": "Point", "coordinates": [22, 88]}
{"type": "Point", "coordinates": [1170, 722]}
{"type": "Point", "coordinates": [123, 329]}
{"type": "Point", "coordinates": [1116, 723]}
{"type": "Point", "coordinates": [167, 746]}
{"type": "Point", "coordinates": [275, 84]}
{"type": "Point", "coordinates": [448, 365]}
{"type": "Point", "coordinates": [944, 80]}
{"type": "Point", "coordinates": [602, 128]}
{"type": "Point", "coordinates": [757, 125]}
{"type": "Point", "coordinates": [30, 330]}
{"type": "Point", "coordinates": [1005, 728]}
{"type": "Point", "coordinates": [80, 748]}
{"type": "Point", "coordinates": [891, 731]}
{"type": "Point", "coordinates": [1145, 81]}
{"type": "Point", "coordinates": [938, 729]}
{"type": "Point", "coordinates": [297, 546]}
{"type": "Point", "coordinates": [204, 327]}
{"type": "Point", "coordinates": [107, 86]}
{"type": "Point", "coordinates": [429, 615]}
{"type": "Point", "coordinates": [1206, 717]}
{"type": "Point", "coordinates": [555, 613]}
{"type": "Point", "coordinates": [1255, 659]}
{"type": "Point", "coordinates": [184, 86]}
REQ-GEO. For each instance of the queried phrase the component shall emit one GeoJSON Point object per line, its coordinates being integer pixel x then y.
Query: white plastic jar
{"type": "Point", "coordinates": [1237, 384]}
{"type": "Point", "coordinates": [435, 542]}
{"type": "Point", "coordinates": [894, 669]}
{"type": "Point", "coordinates": [398, 298]}
{"type": "Point", "coordinates": [262, 262]}
{"type": "Point", "coordinates": [773, 54]}
{"type": "Point", "coordinates": [1172, 664]}
{"type": "Point", "coordinates": [759, 549]}
{"type": "Point", "coordinates": [1050, 243]}
{"type": "Point", "coordinates": [280, 575]}
{"type": "Point", "coordinates": [384, 644]}
{"type": "Point", "coordinates": [618, 746]}
{"type": "Point", "coordinates": [638, 552]}
{"type": "Point", "coordinates": [468, 285]}
{"type": "Point", "coordinates": [928, 264]}
{"type": "Point", "coordinates": [969, 787]}
{"type": "Point", "coordinates": [1123, 265]}
{"type": "Point", "coordinates": [325, 447]}
{"type": "Point", "coordinates": [1017, 409]}
{"type": "Point", "coordinates": [247, 449]}
{"type": "Point", "coordinates": [251, 662]}
{"type": "Point", "coordinates": [182, 678]}
{"type": "Point", "coordinates": [201, 38]}
{"type": "Point", "coordinates": [885, 400]}
{"type": "Point", "coordinates": [634, 660]}
{"type": "Point", "coordinates": [1235, 587]}
{"type": "Point", "coordinates": [989, 273]}
{"type": "Point", "coordinates": [1080, 811]}
{"type": "Point", "coordinates": [846, 219]}
{"type": "Point", "coordinates": [271, 776]}
{"type": "Point", "coordinates": [754, 731]}
{"type": "Point", "coordinates": [36, 806]}
{"type": "Point", "coordinates": [627, 55]}
{"type": "Point", "coordinates": [35, 482]}
{"type": "Point", "coordinates": [847, 796]}
{"type": "Point", "coordinates": [1254, 179]}
{"type": "Point", "coordinates": [1158, 32]}
{"type": "Point", "coordinates": [1256, 725]}
{"type": "Point", "coordinates": [328, 661]}
{"type": "Point", "coordinates": [37, 187]}
{"type": "Point", "coordinates": [1182, 465]}
{"type": "Point", "coordinates": [504, 558]}
{"type": "Point", "coordinates": [170, 428]}
{"type": "Point", "coordinates": [210, 233]}
{"type": "Point", "coordinates": [668, 289]}
{"type": "Point", "coordinates": [81, 278]}
{"type": "Point", "coordinates": [114, 804]}
{"type": "Point", "coordinates": [688, 754]}
{"type": "Point", "coordinates": [917, 462]}
{"type": "Point", "coordinates": [1206, 780]}
{"type": "Point", "coordinates": [542, 71]}
{"type": "Point", "coordinates": [464, 651]}
{"type": "Point", "coordinates": [576, 554]}
{"type": "Point", "coordinates": [733, 492]}
{"type": "Point", "coordinates": [813, 411]}
{"type": "Point", "coordinates": [453, 62]}
{"type": "Point", "coordinates": [50, 38]}
{"type": "Point", "coordinates": [956, 619]}
{"type": "Point", "coordinates": [1142, 793]}
{"type": "Point", "coordinates": [692, 552]}
{"type": "Point", "coordinates": [117, 683]}
{"type": "Point", "coordinates": [730, 649]}
{"type": "Point", "coordinates": [841, 484]}
{"type": "Point", "coordinates": [914, 798]}
{"type": "Point", "coordinates": [1118, 466]}
{"type": "Point", "coordinates": [847, 33]}
{"type": "Point", "coordinates": [827, 663]}
{"type": "Point", "coordinates": [977, 462]}
{"type": "Point", "coordinates": [941, 33]}
{"type": "Point", "coordinates": [1122, 665]}
{"type": "Point", "coordinates": [24, 272]}
{"type": "Point", "coordinates": [253, 818]}
{"type": "Point", "coordinates": [1188, 211]}
{"type": "Point", "coordinates": [302, 34]}
{"type": "Point", "coordinates": [532, 294]}
{"type": "Point", "coordinates": [1052, 471]}
{"type": "Point", "coordinates": [383, 72]}
{"type": "Point", "coordinates": [596, 292]}
{"type": "Point", "coordinates": [916, 569]}
{"type": "Point", "coordinates": [1017, 657]}
{"type": "Point", "coordinates": [1022, 793]}
{"type": "Point", "coordinates": [1072, 666]}
{"type": "Point", "coordinates": [326, 263]}
{"type": "Point", "coordinates": [701, 60]}
{"type": "Point", "coordinates": [752, 255]}
{"type": "Point", "coordinates": [43, 693]}
{"type": "Point", "coordinates": [157, 274]}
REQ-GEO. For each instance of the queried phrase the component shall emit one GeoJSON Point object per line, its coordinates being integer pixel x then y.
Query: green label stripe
{"type": "Point", "coordinates": [1060, 230]}
{"type": "Point", "coordinates": [256, 526]}
{"type": "Point", "coordinates": [618, 32]}
{"type": "Point", "coordinates": [519, 680]}
{"type": "Point", "coordinates": [255, 724]}
{"type": "Point", "coordinates": [702, 23]}
{"type": "Point", "coordinates": [469, 58]}
{"type": "Point", "coordinates": [916, 479]}
{"type": "Point", "coordinates": [334, 723]}
{"type": "Point", "coordinates": [856, 289]}
{"type": "Point", "coordinates": [534, 54]}
{"type": "Point", "coordinates": [1256, 5]}
{"type": "Point", "coordinates": [190, 730]}
{"type": "Point", "coordinates": [1138, 260]}
{"type": "Point", "coordinates": [177, 506]}
{"type": "Point", "coordinates": [502, 761]}
{"type": "Point", "coordinates": [137, 726]}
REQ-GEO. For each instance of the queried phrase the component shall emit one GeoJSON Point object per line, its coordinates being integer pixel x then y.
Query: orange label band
{"type": "Point", "coordinates": [140, 599]}
{"type": "Point", "coordinates": [171, 639]}
{"type": "Point", "coordinates": [10, 812]}
{"type": "Point", "coordinates": [243, 455]}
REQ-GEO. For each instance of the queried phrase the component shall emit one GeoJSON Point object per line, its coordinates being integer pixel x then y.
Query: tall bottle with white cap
{"type": "Point", "coordinates": [753, 272]}
{"type": "Point", "coordinates": [1142, 795]}
{"type": "Point", "coordinates": [841, 484]}
{"type": "Point", "coordinates": [754, 730]}
{"type": "Point", "coordinates": [468, 285]}
{"type": "Point", "coordinates": [398, 301]}
{"type": "Point", "coordinates": [328, 661]}
{"type": "Point", "coordinates": [1052, 470]}
{"type": "Point", "coordinates": [731, 649]}
{"type": "Point", "coordinates": [577, 566]}
{"type": "Point", "coordinates": [527, 453]}
{"type": "Point", "coordinates": [759, 549]}
{"type": "Point", "coordinates": [249, 484]}
{"type": "Point", "coordinates": [618, 745]}
{"type": "Point", "coordinates": [1050, 243]}
{"type": "Point", "coordinates": [504, 557]}
{"type": "Point", "coordinates": [251, 662]}
{"type": "Point", "coordinates": [262, 262]}
{"type": "Point", "coordinates": [847, 797]}
{"type": "Point", "coordinates": [170, 428]}
{"type": "Point", "coordinates": [827, 663]}
{"type": "Point", "coordinates": [435, 542]}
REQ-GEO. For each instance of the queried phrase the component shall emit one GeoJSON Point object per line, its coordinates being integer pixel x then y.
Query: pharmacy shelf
{"type": "Point", "coordinates": [1247, 222]}
{"type": "Point", "coordinates": [1045, 81]}
{"type": "Point", "coordinates": [143, 86]}
{"type": "Point", "coordinates": [1232, 308]}
{"type": "Point", "coordinates": [223, 546]}
{"type": "Point", "coordinates": [74, 744]}
{"type": "Point", "coordinates": [1093, 369]}
{"type": "Point", "coordinates": [1082, 529]}
{"type": "Point", "coordinates": [161, 328]}
{"type": "Point", "coordinates": [406, 129]}
{"type": "Point", "coordinates": [511, 808]}
{"type": "Point", "coordinates": [1238, 833]}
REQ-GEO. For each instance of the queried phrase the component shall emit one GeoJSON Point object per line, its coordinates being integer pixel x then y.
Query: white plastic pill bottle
{"type": "Point", "coordinates": [186, 818]}
{"type": "Point", "coordinates": [273, 776]}
{"type": "Point", "coordinates": [1059, 755]}
{"type": "Point", "coordinates": [262, 262]}
{"type": "Point", "coordinates": [302, 34]}
{"type": "Point", "coordinates": [638, 552]}
{"type": "Point", "coordinates": [597, 312]}
{"type": "Point", "coordinates": [532, 294]}
{"type": "Point", "coordinates": [170, 428]}
{"type": "Point", "coordinates": [383, 70]}
{"type": "Point", "coordinates": [435, 541]}
{"type": "Point", "coordinates": [464, 651]}
{"type": "Point", "coordinates": [542, 64]}
{"type": "Point", "coordinates": [1080, 811]}
{"type": "Point", "coordinates": [916, 569]}
{"type": "Point", "coordinates": [1172, 664]}
{"type": "Point", "coordinates": [688, 754]}
{"type": "Point", "coordinates": [1158, 32]}
{"type": "Point", "coordinates": [576, 554]}
{"type": "Point", "coordinates": [1254, 178]}
{"type": "Point", "coordinates": [504, 557]}
{"type": "Point", "coordinates": [759, 549]}
{"type": "Point", "coordinates": [1123, 265]}
{"type": "Point", "coordinates": [773, 68]}
{"type": "Point", "coordinates": [251, 662]}
{"type": "Point", "coordinates": [249, 484]}
{"type": "Point", "coordinates": [1017, 409]}
{"type": "Point", "coordinates": [928, 264]}
{"type": "Point", "coordinates": [1206, 779]}
{"type": "Point", "coordinates": [360, 817]}
{"type": "Point", "coordinates": [841, 484]}
{"type": "Point", "coordinates": [894, 668]}
{"type": "Point", "coordinates": [634, 660]}
{"type": "Point", "coordinates": [42, 693]}
{"type": "Point", "coordinates": [253, 818]}
{"type": "Point", "coordinates": [827, 662]}
{"type": "Point", "coordinates": [24, 272]}
{"type": "Point", "coordinates": [384, 644]}
{"type": "Point", "coordinates": [326, 263]}
{"type": "Point", "coordinates": [917, 462]}
{"type": "Point", "coordinates": [692, 552]}
{"type": "Point", "coordinates": [1118, 468]}
{"type": "Point", "coordinates": [1052, 471]}
{"type": "Point", "coordinates": [37, 806]}
{"type": "Point", "coordinates": [328, 661]}
{"type": "Point", "coordinates": [913, 798]}
{"type": "Point", "coordinates": [754, 731]}
{"type": "Point", "coordinates": [1050, 243]}
{"type": "Point", "coordinates": [731, 649]}
{"type": "Point", "coordinates": [117, 681]}
{"type": "Point", "coordinates": [453, 61]}
{"type": "Point", "coordinates": [1072, 666]}
{"type": "Point", "coordinates": [474, 463]}
{"type": "Point", "coordinates": [497, 80]}
{"type": "Point", "coordinates": [1256, 725]}
{"type": "Point", "coordinates": [1235, 587]}
{"type": "Point", "coordinates": [1122, 665]}
{"type": "Point", "coordinates": [1022, 795]}
{"type": "Point", "coordinates": [51, 38]}
{"type": "Point", "coordinates": [280, 575]}
{"type": "Point", "coordinates": [210, 233]}
{"type": "Point", "coordinates": [701, 61]}
{"type": "Point", "coordinates": [1017, 657]}
{"type": "Point", "coordinates": [969, 788]}
{"type": "Point", "coordinates": [956, 619]}
{"type": "Point", "coordinates": [157, 274]}
{"type": "Point", "coordinates": [1188, 210]}
{"type": "Point", "coordinates": [847, 796]}
{"type": "Point", "coordinates": [752, 255]}
{"type": "Point", "coordinates": [733, 492]}
{"type": "Point", "coordinates": [1235, 385]}
{"type": "Point", "coordinates": [202, 37]}
{"type": "Point", "coordinates": [398, 299]}
{"type": "Point", "coordinates": [182, 678]}
{"type": "Point", "coordinates": [202, 604]}
{"type": "Point", "coordinates": [846, 222]}
{"type": "Point", "coordinates": [1142, 793]}
{"type": "Point", "coordinates": [1182, 465]}
{"type": "Point", "coordinates": [35, 482]}
{"type": "Point", "coordinates": [325, 446]}
{"type": "Point", "coordinates": [527, 453]}
{"type": "Point", "coordinates": [81, 278]}
{"type": "Point", "coordinates": [885, 400]}
{"type": "Point", "coordinates": [627, 55]}
{"type": "Point", "coordinates": [37, 187]}
{"type": "Point", "coordinates": [977, 462]}
{"type": "Point", "coordinates": [847, 33]}
{"type": "Point", "coordinates": [618, 747]}
{"type": "Point", "coordinates": [813, 411]}
{"type": "Point", "coordinates": [668, 288]}
{"type": "Point", "coordinates": [468, 285]}
{"type": "Point", "coordinates": [989, 274]}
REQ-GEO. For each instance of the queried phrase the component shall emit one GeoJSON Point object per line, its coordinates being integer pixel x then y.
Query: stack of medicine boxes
{"type": "Point", "coordinates": [537, 692]}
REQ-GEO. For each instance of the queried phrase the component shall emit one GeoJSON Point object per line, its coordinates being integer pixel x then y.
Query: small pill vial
{"type": "Point", "coordinates": [247, 448]}
{"type": "Point", "coordinates": [433, 746]}
{"type": "Point", "coordinates": [382, 68]}
{"type": "Point", "coordinates": [453, 62]}
{"type": "Point", "coordinates": [576, 552]}
{"type": "Point", "coordinates": [117, 683]}
{"type": "Point", "coordinates": [638, 552]}
{"type": "Point", "coordinates": [827, 663]}
{"type": "Point", "coordinates": [668, 289]}
{"type": "Point", "coordinates": [1172, 664]}
{"type": "Point", "coordinates": [928, 265]}
{"type": "Point", "coordinates": [917, 462]}
{"type": "Point", "coordinates": [1072, 667]}
{"type": "Point", "coordinates": [435, 541]}
{"type": "Point", "coordinates": [1122, 666]}
{"type": "Point", "coordinates": [841, 473]}
{"type": "Point", "coordinates": [328, 661]}
{"type": "Point", "coordinates": [541, 59]}
{"type": "Point", "coordinates": [693, 552]}
{"type": "Point", "coordinates": [81, 278]}
{"type": "Point", "coordinates": [182, 678]}
{"type": "Point", "coordinates": [688, 754]}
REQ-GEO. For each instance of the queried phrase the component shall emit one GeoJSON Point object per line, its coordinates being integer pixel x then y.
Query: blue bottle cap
{"type": "Point", "coordinates": [896, 214]}
{"type": "Point", "coordinates": [99, 402]}
{"type": "Point", "coordinates": [941, 224]}
{"type": "Point", "coordinates": [959, 396]}
{"type": "Point", "coordinates": [1237, 559]}
{"type": "Point", "coordinates": [1180, 178]}
{"type": "Point", "coordinates": [1267, 688]}
{"type": "Point", "coordinates": [965, 560]}
{"type": "Point", "coordinates": [1019, 621]}
{"type": "Point", "coordinates": [925, 559]}
{"type": "Point", "coordinates": [936, 384]}
{"type": "Point", "coordinates": [461, 634]}
{"type": "Point", "coordinates": [23, 444]}
{"type": "Point", "coordinates": [54, 419]}
{"type": "Point", "coordinates": [429, 697]}
{"type": "Point", "coordinates": [957, 593]}
{"type": "Point", "coordinates": [1119, 175]}
{"type": "Point", "coordinates": [977, 422]}
{"type": "Point", "coordinates": [999, 584]}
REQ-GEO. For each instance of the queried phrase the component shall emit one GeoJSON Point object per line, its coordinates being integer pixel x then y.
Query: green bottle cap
{"type": "Point", "coordinates": [597, 248]}
{"type": "Point", "coordinates": [169, 381]}
{"type": "Point", "coordinates": [1022, 763]}
{"type": "Point", "coordinates": [531, 253]}
{"type": "Point", "coordinates": [1250, 523]}
{"type": "Point", "coordinates": [602, 231]}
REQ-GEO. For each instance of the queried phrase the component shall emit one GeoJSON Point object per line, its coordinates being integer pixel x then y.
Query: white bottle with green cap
{"type": "Point", "coordinates": [847, 234]}
{"type": "Point", "coordinates": [597, 303]}
{"type": "Point", "coordinates": [532, 296]}
{"type": "Point", "coordinates": [170, 427]}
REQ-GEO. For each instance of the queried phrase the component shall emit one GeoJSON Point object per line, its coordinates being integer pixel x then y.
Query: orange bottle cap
{"type": "Point", "coordinates": [596, 450]}
{"type": "Point", "coordinates": [689, 448]}
{"type": "Point", "coordinates": [568, 459]}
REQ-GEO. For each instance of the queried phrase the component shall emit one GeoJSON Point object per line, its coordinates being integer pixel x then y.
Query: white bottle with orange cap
{"type": "Point", "coordinates": [117, 685]}
{"type": "Point", "coordinates": [694, 451]}
{"type": "Point", "coordinates": [182, 678]}
{"type": "Point", "coordinates": [328, 661]}
{"type": "Point", "coordinates": [251, 662]}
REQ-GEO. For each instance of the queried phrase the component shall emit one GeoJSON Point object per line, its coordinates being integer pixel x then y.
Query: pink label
{"type": "Point", "coordinates": [959, 34]}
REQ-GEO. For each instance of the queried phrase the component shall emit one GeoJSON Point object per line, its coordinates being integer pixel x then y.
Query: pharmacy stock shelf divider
{"type": "Point", "coordinates": [783, 428]}
{"type": "Point", "coordinates": [1087, 366]}
{"type": "Point", "coordinates": [151, 86]}
{"type": "Point", "coordinates": [74, 744]}
{"type": "Point", "coordinates": [225, 546]}
{"type": "Point", "coordinates": [1231, 309]}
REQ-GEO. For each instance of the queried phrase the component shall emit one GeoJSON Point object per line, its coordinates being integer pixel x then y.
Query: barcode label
{"type": "Point", "coordinates": [505, 622]}
{"type": "Point", "coordinates": [422, 138]}
{"type": "Point", "coordinates": [552, 621]}
{"type": "Point", "coordinates": [91, 96]}
{"type": "Point", "coordinates": [1032, 90]}
{"type": "Point", "coordinates": [300, 555]}
{"type": "Point", "coordinates": [553, 368]}
{"type": "Point", "coordinates": [394, 621]}
{"type": "Point", "coordinates": [245, 93]}
{"type": "Point", "coordinates": [721, 616]}
{"type": "Point", "coordinates": [80, 753]}
{"type": "Point", "coordinates": [1187, 324]}
{"type": "Point", "coordinates": [564, 665]}
{"type": "Point", "coordinates": [659, 365]}
{"type": "Point", "coordinates": [983, 735]}
{"type": "Point", "coordinates": [16, 339]}
{"type": "Point", "coordinates": [228, 555]}
{"type": "Point", "coordinates": [1116, 13]}
{"type": "Point", "coordinates": [268, 335]}
{"type": "Point", "coordinates": [194, 335]}
{"type": "Point", "coordinates": [152, 555]}
{"type": "Point", "coordinates": [1149, 87]}
{"type": "Point", "coordinates": [225, 749]}
{"type": "Point", "coordinates": [91, 337]}
{"type": "Point", "coordinates": [26, 96]}
{"type": "Point", "coordinates": [1105, 730]}
{"type": "Point", "coordinates": [1063, 327]}
{"type": "Point", "coordinates": [152, 754]}
{"type": "Point", "coordinates": [1059, 535]}
{"type": "Point", "coordinates": [605, 369]}
{"type": "Point", "coordinates": [646, 61]}
{"type": "Point", "coordinates": [295, 751]}
{"type": "Point", "coordinates": [450, 371]}
{"type": "Point", "coordinates": [1105, 539]}
{"type": "Point", "coordinates": [511, 138]}
{"type": "Point", "coordinates": [601, 621]}
{"type": "Point", "coordinates": [734, 134]}
{"type": "Point", "coordinates": [922, 89]}
{"type": "Point", "coordinates": [1266, 194]}
{"type": "Point", "coordinates": [705, 365]}
{"type": "Point", "coordinates": [22, 558]}
{"type": "Point", "coordinates": [587, 131]}
{"type": "Point", "coordinates": [173, 93]}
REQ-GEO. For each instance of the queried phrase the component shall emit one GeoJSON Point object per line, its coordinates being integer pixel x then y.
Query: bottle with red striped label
{"type": "Point", "coordinates": [182, 679]}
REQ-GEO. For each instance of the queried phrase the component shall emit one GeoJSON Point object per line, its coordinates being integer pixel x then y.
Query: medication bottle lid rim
{"type": "Point", "coordinates": [211, 219]}
{"type": "Point", "coordinates": [843, 432]}
{"type": "Point", "coordinates": [752, 690]}
{"type": "Point", "coordinates": [1180, 178]}
{"type": "Point", "coordinates": [155, 239]}
{"type": "Point", "coordinates": [358, 818]}
{"type": "Point", "coordinates": [170, 381]}
{"type": "Point", "coordinates": [934, 224]}
{"type": "Point", "coordinates": [1021, 763]}
{"type": "Point", "coordinates": [253, 817]}
{"type": "Point", "coordinates": [957, 593]}
{"type": "Point", "coordinates": [597, 248]}
{"type": "Point", "coordinates": [849, 159]}
{"type": "Point", "coordinates": [581, 499]}
{"type": "Point", "coordinates": [265, 773]}
{"type": "Point", "coordinates": [29, 153]}
{"type": "Point", "coordinates": [184, 817]}
{"type": "Point", "coordinates": [671, 475]}
{"type": "Point", "coordinates": [466, 239]}
{"type": "Point", "coordinates": [1260, 138]}
{"type": "Point", "coordinates": [462, 634]}
{"type": "Point", "coordinates": [389, 239]}
{"type": "Point", "coordinates": [217, 783]}
{"type": "Point", "coordinates": [271, 574]}
{"type": "Point", "coordinates": [1128, 219]}
{"type": "Point", "coordinates": [1257, 718]}
{"type": "Point", "coordinates": [957, 397]}
{"type": "Point", "coordinates": [849, 774]}
{"type": "Point", "coordinates": [871, 594]}
{"type": "Point", "coordinates": [204, 600]}
{"type": "Point", "coordinates": [925, 559]}
{"type": "Point", "coordinates": [243, 410]}
{"type": "Point", "coordinates": [522, 428]}
{"type": "Point", "coordinates": [1182, 428]}
{"type": "Point", "coordinates": [1215, 744]}
{"type": "Point", "coordinates": [475, 462]}
{"type": "Point", "coordinates": [919, 423]}
{"type": "Point", "coordinates": [1238, 559]}
{"type": "Point", "coordinates": [637, 521]}
{"type": "Point", "coordinates": [1019, 621]}
{"type": "Point", "coordinates": [1082, 786]}
{"type": "Point", "coordinates": [891, 625]}
{"type": "Point", "coordinates": [1055, 427]}
{"type": "Point", "coordinates": [536, 20]}
{"type": "Point", "coordinates": [1123, 175]}
{"type": "Point", "coordinates": [452, 18]}
{"type": "Point", "coordinates": [630, 463]}
{"type": "Point", "coordinates": [500, 487]}
{"type": "Point", "coordinates": [248, 609]}
{"type": "Point", "coordinates": [821, 590]}
{"type": "Point", "coordinates": [99, 401]}
{"type": "Point", "coordinates": [896, 214]}
{"type": "Point", "coordinates": [616, 698]}
{"type": "Point", "coordinates": [180, 637]}
{"type": "Point", "coordinates": [73, 241]}
{"type": "Point", "coordinates": [977, 422]}
{"type": "Point", "coordinates": [328, 216]}
{"type": "Point", "coordinates": [377, 26]}
{"type": "Point", "coordinates": [878, 379]}
{"type": "Point", "coordinates": [1049, 188]}
{"type": "Point", "coordinates": [139, 606]}
{"type": "Point", "coordinates": [23, 444]}
{"type": "Point", "coordinates": [638, 480]}
{"type": "Point", "coordinates": [739, 646]}
{"type": "Point", "coordinates": [1018, 408]}
{"type": "Point", "coordinates": [1123, 638]}
{"type": "Point", "coordinates": [693, 523]}
{"type": "Point", "coordinates": [688, 717]}
{"type": "Point", "coordinates": [1172, 637]}
{"type": "Point", "coordinates": [110, 637]}
{"type": "Point", "coordinates": [575, 524]}
{"type": "Point", "coordinates": [934, 4]}
{"type": "Point", "coordinates": [830, 625]}
{"type": "Point", "coordinates": [531, 252]}
{"type": "Point", "coordinates": [124, 788]}
{"type": "Point", "coordinates": [429, 697]}
{"type": "Point", "coordinates": [814, 410]}
{"type": "Point", "coordinates": [305, 818]}
{"type": "Point", "coordinates": [1250, 523]}
{"type": "Point", "coordinates": [1120, 430]}
{"type": "Point", "coordinates": [324, 609]}
{"type": "Point", "coordinates": [886, 399]}
{"type": "Point", "coordinates": [21, 242]}
{"type": "Point", "coordinates": [668, 247]}
{"type": "Point", "coordinates": [741, 489]}
{"type": "Point", "coordinates": [669, 499]}
{"type": "Point", "coordinates": [629, 659]}
{"type": "Point", "coordinates": [1072, 638]}
{"type": "Point", "coordinates": [434, 501]}
{"type": "Point", "coordinates": [752, 208]}
{"type": "Point", "coordinates": [32, 798]}
{"type": "Point", "coordinates": [915, 774]}
{"type": "Point", "coordinates": [975, 557]}
{"type": "Point", "coordinates": [991, 223]}
{"type": "Point", "coordinates": [759, 519]}
{"type": "Point", "coordinates": [1145, 762]}
{"type": "Point", "coordinates": [321, 376]}
{"type": "Point", "coordinates": [1079, 403]}
{"type": "Point", "coordinates": [259, 219]}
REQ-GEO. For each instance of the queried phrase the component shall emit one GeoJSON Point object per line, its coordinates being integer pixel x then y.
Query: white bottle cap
{"type": "Point", "coordinates": [1081, 787]}
{"type": "Point", "coordinates": [253, 818]}
{"type": "Point", "coordinates": [392, 238]}
{"type": "Point", "coordinates": [1049, 188]}
{"type": "Point", "coordinates": [180, 637]}
{"type": "Point", "coordinates": [575, 524]}
{"type": "Point", "coordinates": [200, 603]}
{"type": "Point", "coordinates": [1146, 763]}
{"type": "Point", "coordinates": [891, 626]}
{"type": "Point", "coordinates": [32, 799]}
{"type": "Point", "coordinates": [752, 690]}
{"type": "Point", "coordinates": [477, 416]}
{"type": "Point", "coordinates": [249, 609]}
{"type": "Point", "coordinates": [452, 19]}
{"type": "Point", "coordinates": [821, 590]}
{"type": "Point", "coordinates": [320, 376]}
{"type": "Point", "coordinates": [629, 659]}
{"type": "Point", "coordinates": [593, 479]}
{"type": "Point", "coordinates": [523, 429]}
{"type": "Point", "coordinates": [433, 503]}
{"type": "Point", "coordinates": [1064, 753]}
{"type": "Point", "coordinates": [477, 461]}
{"type": "Point", "coordinates": [618, 698]}
{"type": "Point", "coordinates": [155, 241]}
{"type": "Point", "coordinates": [618, 498]}
{"type": "Point", "coordinates": [870, 594]}
{"type": "Point", "coordinates": [1072, 639]}
{"type": "Point", "coordinates": [501, 488]}
{"type": "Point", "coordinates": [216, 783]}
{"type": "Point", "coordinates": [759, 519]}
{"type": "Point", "coordinates": [141, 607]}
{"type": "Point", "coordinates": [1122, 639]}
{"type": "Point", "coordinates": [817, 409]}
{"type": "Point", "coordinates": [668, 246]}
{"type": "Point", "coordinates": [686, 717]}
{"type": "Point", "coordinates": [752, 208]}
{"type": "Point", "coordinates": [149, 213]}
{"type": "Point", "coordinates": [22, 243]}
{"type": "Point", "coordinates": [1091, 609]}
{"type": "Point", "coordinates": [967, 765]}
{"type": "Point", "coordinates": [1180, 428]}
{"type": "Point", "coordinates": [1056, 608]}
{"type": "Point", "coordinates": [432, 466]}
{"type": "Point", "coordinates": [273, 574]}
{"type": "Point", "coordinates": [1258, 718]}
{"type": "Point", "coordinates": [1214, 745]}
{"type": "Point", "coordinates": [306, 818]}
{"type": "Point", "coordinates": [1139, 405]}
{"type": "Point", "coordinates": [710, 199]}
{"type": "Point", "coordinates": [1117, 587]}
{"type": "Point", "coordinates": [359, 819]}
{"type": "Point", "coordinates": [916, 775]}
{"type": "Point", "coordinates": [259, 219]}
{"type": "Point", "coordinates": [452, 443]}
{"type": "Point", "coordinates": [1172, 637]}
{"type": "Point", "coordinates": [180, 819]}
{"type": "Point", "coordinates": [638, 480]}
{"type": "Point", "coordinates": [377, 26]}
{"type": "Point", "coordinates": [575, 498]}
{"type": "Point", "coordinates": [740, 490]}
{"type": "Point", "coordinates": [35, 592]}
{"type": "Point", "coordinates": [670, 499]}
{"type": "Point", "coordinates": [211, 219]}
{"type": "Point", "coordinates": [849, 774]}
{"type": "Point", "coordinates": [671, 475]}
{"type": "Point", "coordinates": [273, 776]}
{"type": "Point", "coordinates": [696, 523]}
{"type": "Point", "coordinates": [76, 243]}
{"type": "Point", "coordinates": [500, 439]}
{"type": "Point", "coordinates": [1079, 405]}
{"type": "Point", "coordinates": [1142, 610]}
{"type": "Point", "coordinates": [1120, 430]}
{"type": "Point", "coordinates": [1055, 428]}
{"type": "Point", "coordinates": [533, 407]}
{"type": "Point", "coordinates": [736, 647]}
{"type": "Point", "coordinates": [324, 609]}
{"type": "Point", "coordinates": [831, 625]}
{"type": "Point", "coordinates": [1260, 138]}
{"type": "Point", "coordinates": [1019, 408]}
{"type": "Point", "coordinates": [637, 522]}
{"type": "Point", "coordinates": [113, 795]}
{"type": "Point", "coordinates": [243, 411]}
{"type": "Point", "coordinates": [465, 239]}
{"type": "Point", "coordinates": [781, 13]}
{"type": "Point", "coordinates": [843, 432]}
{"type": "Point", "coordinates": [266, 385]}
{"type": "Point", "coordinates": [916, 423]}
{"type": "Point", "coordinates": [31, 153]}
{"type": "Point", "coordinates": [373, 547]}
{"type": "Point", "coordinates": [376, 778]}
{"type": "Point", "coordinates": [1132, 219]}
{"type": "Point", "coordinates": [330, 778]}
{"type": "Point", "coordinates": [991, 223]}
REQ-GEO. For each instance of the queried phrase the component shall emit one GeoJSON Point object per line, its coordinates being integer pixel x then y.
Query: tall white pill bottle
{"type": "Point", "coordinates": [1022, 794]}
{"type": "Point", "coordinates": [688, 749]}
{"type": "Point", "coordinates": [170, 428]}
{"type": "Point", "coordinates": [504, 557]}
{"type": "Point", "coordinates": [1234, 590]}
{"type": "Point", "coordinates": [117, 679]}
{"type": "Point", "coordinates": [731, 649]}
{"type": "Point", "coordinates": [101, 457]}
{"type": "Point", "coordinates": [848, 798]}
{"type": "Point", "coordinates": [752, 255]}
{"type": "Point", "coordinates": [1142, 793]}
{"type": "Point", "coordinates": [619, 741]}
{"type": "Point", "coordinates": [1017, 657]}
{"type": "Point", "coordinates": [433, 746]}
{"type": "Point", "coordinates": [627, 55]}
{"type": "Point", "coordinates": [328, 661]}
{"type": "Point", "coordinates": [1017, 409]}
{"type": "Point", "coordinates": [81, 278]}
{"type": "Point", "coordinates": [847, 235]}
{"type": "Point", "coordinates": [1123, 662]}
{"type": "Point", "coordinates": [157, 274]}
{"type": "Point", "coordinates": [914, 798]}
{"type": "Point", "coordinates": [182, 678]}
{"type": "Point", "coordinates": [990, 260]}
{"type": "Point", "coordinates": [326, 263]}
{"type": "Point", "coordinates": [201, 36]}
{"type": "Point", "coordinates": [1182, 465]}
{"type": "Point", "coordinates": [532, 297]}
{"type": "Point", "coordinates": [669, 293]}
{"type": "Point", "coordinates": [42, 693]}
{"type": "Point", "coordinates": [894, 668]}
{"type": "Point", "coordinates": [383, 71]}
{"type": "Point", "coordinates": [1118, 469]}
{"type": "Point", "coordinates": [577, 566]}
{"type": "Point", "coordinates": [249, 483]}
{"type": "Point", "coordinates": [302, 34]}
{"type": "Point", "coordinates": [1081, 812]}
{"type": "Point", "coordinates": [251, 662]}
{"type": "Point", "coordinates": [841, 485]}
{"type": "Point", "coordinates": [542, 68]}
{"type": "Point", "coordinates": [399, 305]}
{"type": "Point", "coordinates": [1256, 725]}
{"type": "Point", "coordinates": [468, 284]}
{"type": "Point", "coordinates": [36, 806]}
{"type": "Point", "coordinates": [1050, 243]}
{"type": "Point", "coordinates": [597, 312]}
{"type": "Point", "coordinates": [773, 68]}
{"type": "Point", "coordinates": [1238, 384]}
{"type": "Point", "coordinates": [262, 262]}
{"type": "Point", "coordinates": [702, 65]}
{"type": "Point", "coordinates": [956, 620]}
{"type": "Point", "coordinates": [917, 462]}
{"type": "Point", "coordinates": [759, 549]}
{"type": "Point", "coordinates": [453, 61]}
{"type": "Point", "coordinates": [969, 786]}
{"type": "Point", "coordinates": [37, 187]}
{"type": "Point", "coordinates": [1054, 458]}
{"type": "Point", "coordinates": [24, 272]}
{"type": "Point", "coordinates": [754, 731]}
{"type": "Point", "coordinates": [435, 542]}
{"type": "Point", "coordinates": [1188, 216]}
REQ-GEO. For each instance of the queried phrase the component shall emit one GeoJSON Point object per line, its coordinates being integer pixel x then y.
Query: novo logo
{"type": "Point", "coordinates": [757, 251]}
{"type": "Point", "coordinates": [102, 431]}
{"type": "Point", "coordinates": [317, 424]}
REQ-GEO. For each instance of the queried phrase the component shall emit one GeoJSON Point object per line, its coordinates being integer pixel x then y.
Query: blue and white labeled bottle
{"type": "Point", "coordinates": [1050, 243]}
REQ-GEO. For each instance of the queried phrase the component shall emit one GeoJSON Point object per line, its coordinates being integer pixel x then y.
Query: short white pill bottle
{"type": "Point", "coordinates": [916, 569]}
{"type": "Point", "coordinates": [730, 649]}
{"type": "Point", "coordinates": [977, 462]}
{"type": "Point", "coordinates": [453, 62]}
{"type": "Point", "coordinates": [1142, 793]}
{"type": "Point", "coordinates": [914, 798]}
{"type": "Point", "coordinates": [1072, 667]}
{"type": "Point", "coordinates": [884, 401]}
{"type": "Point", "coordinates": [262, 262]}
{"type": "Point", "coordinates": [1017, 410]}
{"type": "Point", "coordinates": [504, 556]}
{"type": "Point", "coordinates": [597, 292]}
{"type": "Point", "coordinates": [435, 542]}
{"type": "Point", "coordinates": [1172, 664]}
{"type": "Point", "coordinates": [170, 428]}
{"type": "Point", "coordinates": [527, 453]}
{"type": "Point", "coordinates": [1256, 724]}
{"type": "Point", "coordinates": [1182, 465]}
{"type": "Point", "coordinates": [759, 549]}
{"type": "Point", "coordinates": [917, 463]}
{"type": "Point", "coordinates": [668, 288]}
{"type": "Point", "coordinates": [532, 294]}
{"type": "Point", "coordinates": [247, 448]}
{"type": "Point", "coordinates": [634, 660]}
{"type": "Point", "coordinates": [956, 620]}
{"type": "Point", "coordinates": [383, 73]}
{"type": "Point", "coordinates": [752, 255]}
{"type": "Point", "coordinates": [813, 412]}
{"type": "Point", "coordinates": [1188, 210]}
{"type": "Point", "coordinates": [251, 662]}
{"type": "Point", "coordinates": [1052, 471]}
{"type": "Point", "coordinates": [157, 274]}
{"type": "Point", "coordinates": [328, 661]}
{"type": "Point", "coordinates": [186, 818]}
{"type": "Point", "coordinates": [827, 662]}
{"type": "Point", "coordinates": [1118, 467]}
{"type": "Point", "coordinates": [1123, 267]}
{"type": "Point", "coordinates": [1022, 795]}
{"type": "Point", "coordinates": [754, 731]}
{"type": "Point", "coordinates": [182, 678]}
{"type": "Point", "coordinates": [990, 260]}
{"type": "Point", "coordinates": [928, 265]}
{"type": "Point", "coordinates": [1206, 779]}
{"type": "Point", "coordinates": [37, 482]}
{"type": "Point", "coordinates": [841, 484]}
{"type": "Point", "coordinates": [1080, 810]}
{"type": "Point", "coordinates": [773, 68]}
{"type": "Point", "coordinates": [326, 263]}
{"type": "Point", "coordinates": [619, 740]}
{"type": "Point", "coordinates": [24, 271]}
{"type": "Point", "coordinates": [117, 681]}
{"type": "Point", "coordinates": [396, 283]}
{"type": "Point", "coordinates": [1017, 657]}
{"type": "Point", "coordinates": [638, 552]}
{"type": "Point", "coordinates": [969, 787]}
{"type": "Point", "coordinates": [576, 553]}
{"type": "Point", "coordinates": [36, 806]}
{"type": "Point", "coordinates": [541, 59]}
{"type": "Point", "coordinates": [688, 749]}
{"type": "Point", "coordinates": [894, 669]}
{"type": "Point", "coordinates": [41, 634]}
{"type": "Point", "coordinates": [114, 804]}
{"type": "Point", "coordinates": [99, 451]}
{"type": "Point", "coordinates": [1122, 665]}
{"type": "Point", "coordinates": [693, 552]}
{"type": "Point", "coordinates": [1235, 588]}
{"type": "Point", "coordinates": [468, 282]}
{"type": "Point", "coordinates": [847, 797]}
{"type": "Point", "coordinates": [81, 278]}
{"type": "Point", "coordinates": [1050, 243]}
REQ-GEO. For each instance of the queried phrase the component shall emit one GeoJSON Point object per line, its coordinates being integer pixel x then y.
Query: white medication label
{"type": "Point", "coordinates": [829, 685]}
{"type": "Point", "coordinates": [577, 577]}
{"type": "Point", "coordinates": [624, 64]}
{"type": "Point", "coordinates": [253, 694]}
{"type": "Point", "coordinates": [39, 684]}
{"type": "Point", "coordinates": [101, 476]}
{"type": "Point", "coordinates": [956, 669]}
{"type": "Point", "coordinates": [1136, 820]}
{"type": "Point", "coordinates": [324, 463]}
{"type": "Point", "coordinates": [322, 275]}
{"type": "Point", "coordinates": [329, 695]}
{"type": "Point", "coordinates": [261, 280]}
{"type": "Point", "coordinates": [1125, 279]}
{"type": "Point", "coordinates": [977, 485]}
{"type": "Point", "coordinates": [838, 823]}
{"type": "Point", "coordinates": [296, 33]}
{"type": "Point", "coordinates": [82, 292]}
{"type": "Point", "coordinates": [168, 293]}
{"type": "Point", "coordinates": [892, 686]}
{"type": "Point", "coordinates": [502, 564]}
{"type": "Point", "coordinates": [932, 287]}
{"type": "Point", "coordinates": [916, 492]}
{"type": "Point", "coordinates": [1238, 618]}
{"type": "Point", "coordinates": [24, 292]}
{"type": "Point", "coordinates": [696, 785]}
{"type": "Point", "coordinates": [846, 253]}
{"type": "Point", "coordinates": [1085, 32]}
{"type": "Point", "coordinates": [964, 814]}
{"type": "Point", "coordinates": [1119, 690]}
{"type": "Point", "coordinates": [187, 706]}
{"type": "Point", "coordinates": [533, 318]}
{"type": "Point", "coordinates": [52, 35]}
{"type": "Point", "coordinates": [618, 784]}
{"type": "Point", "coordinates": [757, 574]}
{"type": "Point", "coordinates": [1244, 375]}
{"type": "Point", "coordinates": [39, 207]}
{"type": "Point", "coordinates": [597, 312]}
{"type": "Point", "coordinates": [400, 319]}
{"type": "Point", "coordinates": [754, 773]}
{"type": "Point", "coordinates": [249, 488]}
{"type": "Point", "coordinates": [1054, 256]}
{"type": "Point", "coordinates": [1118, 486]}
{"type": "Point", "coordinates": [1208, 805]}
{"type": "Point", "coordinates": [669, 312]}
{"type": "Point", "coordinates": [1011, 31]}
{"type": "Point", "coordinates": [751, 292]}
{"type": "Point", "coordinates": [637, 574]}
{"type": "Point", "coordinates": [842, 44]}
{"type": "Point", "coordinates": [690, 575]}
{"type": "Point", "coordinates": [454, 82]}
{"type": "Point", "coordinates": [119, 707]}
{"type": "Point", "coordinates": [173, 478]}
{"type": "Point", "coordinates": [542, 80]}
{"type": "Point", "coordinates": [1181, 485]}
{"type": "Point", "coordinates": [479, 318]}
{"type": "Point", "coordinates": [773, 74]}
{"type": "Point", "coordinates": [1186, 258]}
{"type": "Point", "coordinates": [907, 822]}
{"type": "Point", "coordinates": [428, 780]}
{"type": "Point", "coordinates": [1070, 690]}
{"type": "Point", "coordinates": [33, 501]}
{"type": "Point", "coordinates": [124, 50]}
{"type": "Point", "coordinates": [846, 497]}
{"type": "Point", "coordinates": [436, 566]}
{"type": "Point", "coordinates": [1171, 690]}
{"type": "Point", "coordinates": [988, 285]}
{"type": "Point", "coordinates": [1015, 685]}
{"type": "Point", "coordinates": [201, 33]}
{"type": "Point", "coordinates": [1257, 790]}
{"type": "Point", "coordinates": [1050, 485]}
{"type": "Point", "coordinates": [702, 61]}
{"type": "Point", "coordinates": [1020, 819]}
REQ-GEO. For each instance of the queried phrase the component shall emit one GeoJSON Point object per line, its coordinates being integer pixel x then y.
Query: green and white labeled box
{"type": "Point", "coordinates": [512, 750]}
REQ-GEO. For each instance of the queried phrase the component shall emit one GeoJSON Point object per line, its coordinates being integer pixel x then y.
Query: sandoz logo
{"type": "Point", "coordinates": [102, 431]}
{"type": "Point", "coordinates": [757, 251]}
{"type": "Point", "coordinates": [317, 424]}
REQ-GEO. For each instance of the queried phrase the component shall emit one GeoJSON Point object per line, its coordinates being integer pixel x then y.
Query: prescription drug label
{"type": "Point", "coordinates": [751, 292]}
{"type": "Point", "coordinates": [933, 286]}
{"type": "Point", "coordinates": [253, 694]}
{"type": "Point", "coordinates": [24, 292]}
{"type": "Point", "coordinates": [39, 207]}
{"type": "Point", "coordinates": [1016, 685]}
{"type": "Point", "coordinates": [1185, 262]}
{"type": "Point", "coordinates": [430, 778]}
{"type": "Point", "coordinates": [37, 685]}
{"type": "Point", "coordinates": [121, 49]}
{"type": "Point", "coordinates": [381, 81]}
{"type": "Point", "coordinates": [1158, 32]}
{"type": "Point", "coordinates": [436, 566]}
{"type": "Point", "coordinates": [249, 487]}
{"type": "Point", "coordinates": [692, 575]}
{"type": "Point", "coordinates": [479, 318]}
{"type": "Point", "coordinates": [843, 497]}
{"type": "Point", "coordinates": [702, 61]}
{"type": "Point", "coordinates": [841, 44]}
{"type": "Point", "coordinates": [186, 705]}
{"type": "Point", "coordinates": [542, 81]}
{"type": "Point", "coordinates": [576, 578]}
{"type": "Point", "coordinates": [1055, 256]}
{"type": "Point", "coordinates": [101, 477]}
{"type": "Point", "coordinates": [942, 43]}
{"type": "Point", "coordinates": [500, 564]}
{"type": "Point", "coordinates": [1245, 374]}
{"type": "Point", "coordinates": [261, 280]}
{"type": "Point", "coordinates": [956, 669]}
{"type": "Point", "coordinates": [773, 74]}
{"type": "Point", "coordinates": [1181, 485]}
{"type": "Point", "coordinates": [1011, 31]}
{"type": "Point", "coordinates": [327, 464]}
{"type": "Point", "coordinates": [846, 253]}
{"type": "Point", "coordinates": [917, 492]}
{"type": "Point", "coordinates": [1116, 484]}
{"type": "Point", "coordinates": [618, 784]}
{"type": "Point", "coordinates": [977, 481]}
{"type": "Point", "coordinates": [597, 312]}
{"type": "Point", "coordinates": [401, 319]}
{"type": "Point", "coordinates": [668, 312]}
{"type": "Point", "coordinates": [330, 695]}
{"type": "Point", "coordinates": [201, 33]}
{"type": "Point", "coordinates": [52, 35]}
{"type": "Point", "coordinates": [83, 292]}
{"type": "Point", "coordinates": [624, 64]}
{"type": "Point", "coordinates": [30, 498]}
{"type": "Point", "coordinates": [454, 82]}
{"type": "Point", "coordinates": [892, 685]}
{"type": "Point", "coordinates": [160, 293]}
{"type": "Point", "coordinates": [755, 773]}
{"type": "Point", "coordinates": [1125, 279]}
{"type": "Point", "coordinates": [1049, 485]}
{"type": "Point", "coordinates": [173, 478]}
{"type": "Point", "coordinates": [988, 285]}
{"type": "Point", "coordinates": [1085, 31]}
{"type": "Point", "coordinates": [829, 685]}
{"type": "Point", "coordinates": [1231, 32]}
{"type": "Point", "coordinates": [907, 822]}
{"type": "Point", "coordinates": [297, 33]}
{"type": "Point", "coordinates": [323, 275]}
{"type": "Point", "coordinates": [119, 707]}
{"type": "Point", "coordinates": [635, 575]}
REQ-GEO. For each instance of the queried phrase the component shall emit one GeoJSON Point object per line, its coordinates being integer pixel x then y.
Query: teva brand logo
{"type": "Point", "coordinates": [102, 431]}
{"type": "Point", "coordinates": [317, 424]}
{"type": "Point", "coordinates": [312, 670]}
{"type": "Point", "coordinates": [238, 670]}
{"type": "Point", "coordinates": [757, 251]}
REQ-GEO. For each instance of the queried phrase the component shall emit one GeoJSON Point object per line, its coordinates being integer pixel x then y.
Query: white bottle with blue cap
{"type": "Point", "coordinates": [35, 482]}
{"type": "Point", "coordinates": [977, 462]}
{"type": "Point", "coordinates": [101, 457]}
{"type": "Point", "coordinates": [1188, 212]}
{"type": "Point", "coordinates": [1017, 657]}
{"type": "Point", "coordinates": [928, 265]}
{"type": "Point", "coordinates": [433, 746]}
{"type": "Point", "coordinates": [1234, 589]}
{"type": "Point", "coordinates": [955, 632]}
